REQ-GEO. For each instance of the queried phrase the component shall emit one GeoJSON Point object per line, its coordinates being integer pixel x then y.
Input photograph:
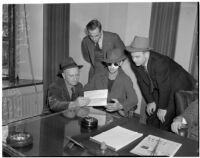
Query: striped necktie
{"type": "Point", "coordinates": [73, 96]}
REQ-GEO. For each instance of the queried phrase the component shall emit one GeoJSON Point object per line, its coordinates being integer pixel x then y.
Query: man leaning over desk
{"type": "Point", "coordinates": [66, 92]}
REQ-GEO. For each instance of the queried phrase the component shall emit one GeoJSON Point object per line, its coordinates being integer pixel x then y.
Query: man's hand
{"type": "Point", "coordinates": [151, 107]}
{"type": "Point", "coordinates": [176, 125]}
{"type": "Point", "coordinates": [116, 106]}
{"type": "Point", "coordinates": [161, 115]}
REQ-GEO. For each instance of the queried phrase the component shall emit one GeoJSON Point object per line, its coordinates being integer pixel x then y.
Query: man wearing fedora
{"type": "Point", "coordinates": [66, 92]}
{"type": "Point", "coordinates": [95, 45]}
{"type": "Point", "coordinates": [121, 95]}
{"type": "Point", "coordinates": [159, 77]}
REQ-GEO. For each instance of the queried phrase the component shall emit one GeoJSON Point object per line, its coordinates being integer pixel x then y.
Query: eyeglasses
{"type": "Point", "coordinates": [115, 64]}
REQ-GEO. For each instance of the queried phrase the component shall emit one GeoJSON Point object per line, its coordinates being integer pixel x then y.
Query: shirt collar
{"type": "Point", "coordinates": [100, 42]}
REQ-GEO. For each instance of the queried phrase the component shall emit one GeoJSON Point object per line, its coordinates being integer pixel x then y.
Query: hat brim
{"type": "Point", "coordinates": [59, 74]}
{"type": "Point", "coordinates": [132, 49]}
{"type": "Point", "coordinates": [114, 60]}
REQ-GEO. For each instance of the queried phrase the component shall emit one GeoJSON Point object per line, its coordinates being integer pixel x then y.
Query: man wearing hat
{"type": "Point", "coordinates": [159, 77]}
{"type": "Point", "coordinates": [95, 45]}
{"type": "Point", "coordinates": [121, 95]}
{"type": "Point", "coordinates": [66, 92]}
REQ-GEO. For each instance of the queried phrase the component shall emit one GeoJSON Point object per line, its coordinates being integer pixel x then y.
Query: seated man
{"type": "Point", "coordinates": [121, 95]}
{"type": "Point", "coordinates": [66, 92]}
{"type": "Point", "coordinates": [190, 117]}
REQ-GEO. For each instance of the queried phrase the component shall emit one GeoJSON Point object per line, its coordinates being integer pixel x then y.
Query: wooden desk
{"type": "Point", "coordinates": [49, 137]}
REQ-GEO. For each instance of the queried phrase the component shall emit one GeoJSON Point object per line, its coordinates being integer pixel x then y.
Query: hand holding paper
{"type": "Point", "coordinates": [97, 97]}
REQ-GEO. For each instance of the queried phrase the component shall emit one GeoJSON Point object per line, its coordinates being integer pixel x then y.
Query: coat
{"type": "Point", "coordinates": [110, 41]}
{"type": "Point", "coordinates": [167, 77]}
{"type": "Point", "coordinates": [58, 95]}
{"type": "Point", "coordinates": [191, 115]}
{"type": "Point", "coordinates": [122, 88]}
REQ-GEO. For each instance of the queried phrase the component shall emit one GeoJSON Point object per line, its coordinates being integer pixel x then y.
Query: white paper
{"type": "Point", "coordinates": [164, 148]}
{"type": "Point", "coordinates": [97, 97]}
{"type": "Point", "coordinates": [117, 137]}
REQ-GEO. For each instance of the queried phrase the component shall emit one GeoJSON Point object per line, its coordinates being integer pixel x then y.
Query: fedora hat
{"type": "Point", "coordinates": [139, 44]}
{"type": "Point", "coordinates": [67, 64]}
{"type": "Point", "coordinates": [114, 55]}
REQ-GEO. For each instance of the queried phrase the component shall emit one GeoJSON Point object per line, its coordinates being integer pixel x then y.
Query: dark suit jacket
{"type": "Point", "coordinates": [110, 41]}
{"type": "Point", "coordinates": [167, 77]}
{"type": "Point", "coordinates": [122, 88]}
{"type": "Point", "coordinates": [58, 95]}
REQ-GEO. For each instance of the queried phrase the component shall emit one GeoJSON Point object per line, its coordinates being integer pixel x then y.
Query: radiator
{"type": "Point", "coordinates": [21, 106]}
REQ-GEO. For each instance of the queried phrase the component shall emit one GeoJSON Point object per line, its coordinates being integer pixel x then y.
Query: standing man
{"type": "Point", "coordinates": [66, 92]}
{"type": "Point", "coordinates": [96, 44]}
{"type": "Point", "coordinates": [159, 77]}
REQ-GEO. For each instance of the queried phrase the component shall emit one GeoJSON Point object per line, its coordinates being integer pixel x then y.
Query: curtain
{"type": "Point", "coordinates": [11, 47]}
{"type": "Point", "coordinates": [56, 42]}
{"type": "Point", "coordinates": [194, 59]}
{"type": "Point", "coordinates": [163, 27]}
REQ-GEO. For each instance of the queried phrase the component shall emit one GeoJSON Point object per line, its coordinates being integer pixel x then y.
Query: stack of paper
{"type": "Point", "coordinates": [117, 137]}
{"type": "Point", "coordinates": [97, 97]}
{"type": "Point", "coordinates": [156, 146]}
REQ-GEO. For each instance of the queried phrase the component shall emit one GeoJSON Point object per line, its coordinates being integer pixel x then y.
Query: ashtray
{"type": "Point", "coordinates": [89, 122]}
{"type": "Point", "coordinates": [19, 139]}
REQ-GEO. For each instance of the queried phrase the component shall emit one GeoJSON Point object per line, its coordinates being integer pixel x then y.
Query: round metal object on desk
{"type": "Point", "coordinates": [89, 123]}
{"type": "Point", "coordinates": [19, 139]}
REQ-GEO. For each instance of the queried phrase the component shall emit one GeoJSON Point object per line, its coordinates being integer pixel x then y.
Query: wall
{"type": "Point", "coordinates": [35, 31]}
{"type": "Point", "coordinates": [188, 13]}
{"type": "Point", "coordinates": [126, 19]}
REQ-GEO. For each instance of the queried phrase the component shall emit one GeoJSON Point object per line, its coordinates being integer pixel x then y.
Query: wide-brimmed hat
{"type": "Point", "coordinates": [139, 44]}
{"type": "Point", "coordinates": [114, 55]}
{"type": "Point", "coordinates": [67, 64]}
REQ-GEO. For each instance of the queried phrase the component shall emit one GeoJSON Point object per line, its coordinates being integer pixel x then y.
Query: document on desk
{"type": "Point", "coordinates": [116, 138]}
{"type": "Point", "coordinates": [97, 97]}
{"type": "Point", "coordinates": [156, 146]}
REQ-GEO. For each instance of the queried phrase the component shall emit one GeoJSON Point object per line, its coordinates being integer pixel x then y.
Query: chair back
{"type": "Point", "coordinates": [183, 99]}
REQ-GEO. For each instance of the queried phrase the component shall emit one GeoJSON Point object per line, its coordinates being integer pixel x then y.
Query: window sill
{"type": "Point", "coordinates": [21, 83]}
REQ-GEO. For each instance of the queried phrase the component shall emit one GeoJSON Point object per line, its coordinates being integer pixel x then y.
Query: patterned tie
{"type": "Point", "coordinates": [97, 48]}
{"type": "Point", "coordinates": [151, 82]}
{"type": "Point", "coordinates": [73, 97]}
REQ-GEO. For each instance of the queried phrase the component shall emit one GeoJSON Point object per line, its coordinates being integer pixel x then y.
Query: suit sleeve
{"type": "Point", "coordinates": [55, 101]}
{"type": "Point", "coordinates": [145, 90]}
{"type": "Point", "coordinates": [85, 50]}
{"type": "Point", "coordinates": [164, 85]}
{"type": "Point", "coordinates": [131, 99]}
{"type": "Point", "coordinates": [119, 43]}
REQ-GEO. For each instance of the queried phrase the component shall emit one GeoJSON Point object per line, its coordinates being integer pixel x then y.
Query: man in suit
{"type": "Point", "coordinates": [159, 77]}
{"type": "Point", "coordinates": [95, 45]}
{"type": "Point", "coordinates": [66, 92]}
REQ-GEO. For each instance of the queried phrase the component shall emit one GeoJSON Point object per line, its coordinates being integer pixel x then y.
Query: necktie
{"type": "Point", "coordinates": [73, 97]}
{"type": "Point", "coordinates": [97, 48]}
{"type": "Point", "coordinates": [150, 80]}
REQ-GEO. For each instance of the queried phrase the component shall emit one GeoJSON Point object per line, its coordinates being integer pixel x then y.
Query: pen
{"type": "Point", "coordinates": [75, 142]}
{"type": "Point", "coordinates": [155, 148]}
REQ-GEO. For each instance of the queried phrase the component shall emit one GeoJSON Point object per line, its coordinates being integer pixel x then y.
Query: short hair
{"type": "Point", "coordinates": [93, 24]}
